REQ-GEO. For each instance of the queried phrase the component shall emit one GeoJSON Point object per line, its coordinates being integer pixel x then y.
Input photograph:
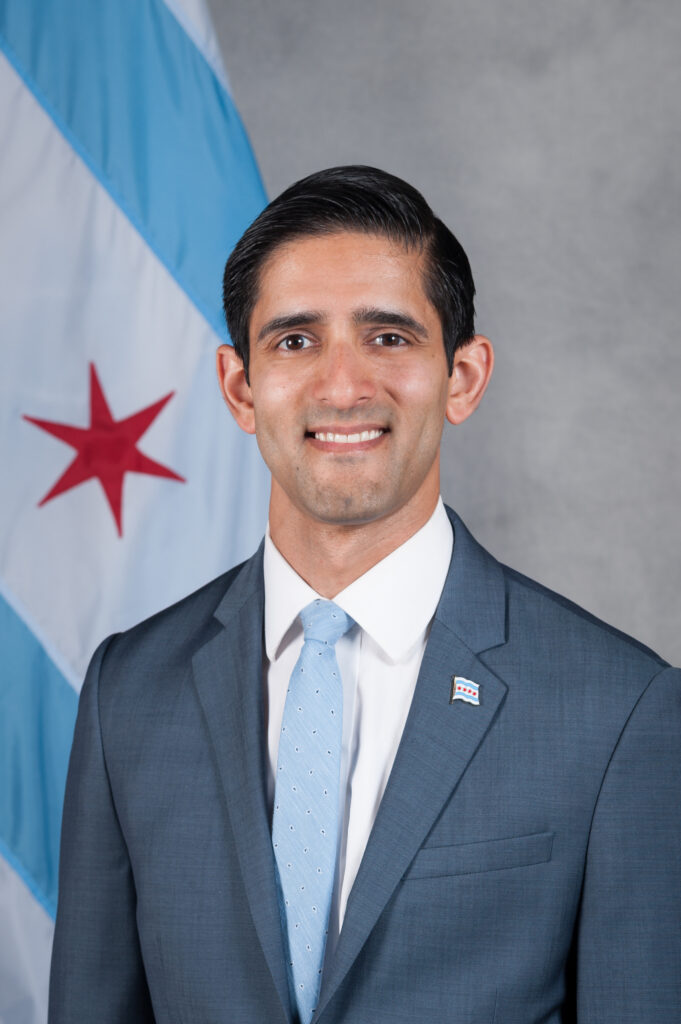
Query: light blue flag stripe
{"type": "Point", "coordinates": [142, 107]}
{"type": "Point", "coordinates": [37, 716]}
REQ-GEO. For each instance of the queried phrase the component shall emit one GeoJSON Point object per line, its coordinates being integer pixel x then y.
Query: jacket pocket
{"type": "Point", "coordinates": [473, 858]}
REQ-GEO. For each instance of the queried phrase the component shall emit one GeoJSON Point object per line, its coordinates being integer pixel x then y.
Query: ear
{"type": "Point", "coordinates": [473, 365]}
{"type": "Point", "coordinates": [235, 389]}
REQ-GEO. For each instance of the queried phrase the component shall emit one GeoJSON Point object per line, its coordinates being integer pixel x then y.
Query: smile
{"type": "Point", "coordinates": [364, 435]}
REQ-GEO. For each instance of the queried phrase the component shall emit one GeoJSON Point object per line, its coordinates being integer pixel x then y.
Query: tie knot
{"type": "Point", "coordinates": [325, 621]}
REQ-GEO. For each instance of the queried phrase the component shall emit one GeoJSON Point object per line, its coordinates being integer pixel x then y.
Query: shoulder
{"type": "Point", "coordinates": [549, 650]}
{"type": "Point", "coordinates": [178, 629]}
{"type": "Point", "coordinates": [562, 622]}
{"type": "Point", "coordinates": [579, 676]}
{"type": "Point", "coordinates": [154, 657]}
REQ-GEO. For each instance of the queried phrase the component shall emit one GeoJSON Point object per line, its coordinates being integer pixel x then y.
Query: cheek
{"type": "Point", "coordinates": [422, 393]}
{"type": "Point", "coordinates": [273, 399]}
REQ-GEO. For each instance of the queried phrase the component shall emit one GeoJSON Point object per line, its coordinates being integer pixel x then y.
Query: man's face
{"type": "Point", "coordinates": [348, 379]}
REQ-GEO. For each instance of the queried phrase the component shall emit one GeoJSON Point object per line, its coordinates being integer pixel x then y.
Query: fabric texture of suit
{"type": "Point", "coordinates": [524, 866]}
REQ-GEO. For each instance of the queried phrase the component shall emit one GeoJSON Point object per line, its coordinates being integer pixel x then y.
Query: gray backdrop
{"type": "Point", "coordinates": [547, 136]}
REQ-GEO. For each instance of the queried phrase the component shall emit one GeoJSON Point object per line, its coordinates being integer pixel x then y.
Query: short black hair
{"type": "Point", "coordinates": [353, 198]}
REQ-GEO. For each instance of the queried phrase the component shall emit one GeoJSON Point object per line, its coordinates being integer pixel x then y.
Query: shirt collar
{"type": "Point", "coordinates": [393, 602]}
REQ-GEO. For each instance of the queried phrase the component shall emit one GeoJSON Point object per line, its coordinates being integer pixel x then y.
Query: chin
{"type": "Point", "coordinates": [348, 508]}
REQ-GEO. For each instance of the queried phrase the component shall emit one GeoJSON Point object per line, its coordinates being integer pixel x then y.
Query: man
{"type": "Point", "coordinates": [370, 775]}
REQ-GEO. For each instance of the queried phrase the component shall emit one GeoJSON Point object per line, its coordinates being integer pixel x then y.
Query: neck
{"type": "Point", "coordinates": [331, 556]}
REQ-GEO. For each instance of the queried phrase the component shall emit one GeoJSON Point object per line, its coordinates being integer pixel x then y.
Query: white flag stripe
{"type": "Point", "coordinates": [151, 328]}
{"type": "Point", "coordinates": [25, 950]}
{"type": "Point", "coordinates": [194, 17]}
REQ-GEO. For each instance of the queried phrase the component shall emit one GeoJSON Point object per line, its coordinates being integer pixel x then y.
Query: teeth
{"type": "Point", "coordinates": [365, 435]}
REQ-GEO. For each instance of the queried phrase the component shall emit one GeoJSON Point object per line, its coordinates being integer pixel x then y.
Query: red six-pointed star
{"type": "Point", "coordinates": [107, 449]}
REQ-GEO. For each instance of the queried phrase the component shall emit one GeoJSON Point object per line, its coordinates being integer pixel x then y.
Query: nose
{"type": "Point", "coordinates": [343, 377]}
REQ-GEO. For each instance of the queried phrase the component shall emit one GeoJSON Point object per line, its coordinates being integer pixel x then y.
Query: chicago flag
{"type": "Point", "coordinates": [126, 178]}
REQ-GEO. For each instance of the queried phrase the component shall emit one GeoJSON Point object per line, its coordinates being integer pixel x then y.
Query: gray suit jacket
{"type": "Point", "coordinates": [525, 863]}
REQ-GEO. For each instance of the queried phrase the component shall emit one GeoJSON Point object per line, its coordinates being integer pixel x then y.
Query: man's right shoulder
{"type": "Point", "coordinates": [157, 652]}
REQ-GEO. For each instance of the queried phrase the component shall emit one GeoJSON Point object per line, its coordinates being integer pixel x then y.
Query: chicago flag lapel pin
{"type": "Point", "coordinates": [465, 689]}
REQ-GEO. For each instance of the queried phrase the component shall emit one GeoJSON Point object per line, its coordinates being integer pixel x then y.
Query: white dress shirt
{"type": "Point", "coordinates": [379, 659]}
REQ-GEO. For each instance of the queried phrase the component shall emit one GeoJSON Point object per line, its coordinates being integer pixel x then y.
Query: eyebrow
{"type": "Point", "coordinates": [389, 318]}
{"type": "Point", "coordinates": [290, 321]}
{"type": "Point", "coordinates": [360, 317]}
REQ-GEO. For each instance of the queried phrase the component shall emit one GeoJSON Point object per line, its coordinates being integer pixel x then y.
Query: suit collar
{"type": "Point", "coordinates": [473, 602]}
{"type": "Point", "coordinates": [248, 583]}
{"type": "Point", "coordinates": [472, 605]}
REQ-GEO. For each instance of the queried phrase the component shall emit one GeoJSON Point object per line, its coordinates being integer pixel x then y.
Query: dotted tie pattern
{"type": "Point", "coordinates": [305, 820]}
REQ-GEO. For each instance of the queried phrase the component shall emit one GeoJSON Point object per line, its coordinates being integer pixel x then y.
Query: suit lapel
{"type": "Point", "coordinates": [438, 742]}
{"type": "Point", "coordinates": [228, 678]}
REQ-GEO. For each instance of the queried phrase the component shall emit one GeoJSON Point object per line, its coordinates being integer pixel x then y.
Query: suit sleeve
{"type": "Point", "coordinates": [97, 971]}
{"type": "Point", "coordinates": [629, 933]}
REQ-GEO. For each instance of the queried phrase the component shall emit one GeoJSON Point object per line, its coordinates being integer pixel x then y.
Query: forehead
{"type": "Point", "coordinates": [333, 270]}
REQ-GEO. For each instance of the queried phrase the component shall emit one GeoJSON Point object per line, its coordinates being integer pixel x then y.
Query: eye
{"type": "Point", "coordinates": [389, 340]}
{"type": "Point", "coordinates": [294, 343]}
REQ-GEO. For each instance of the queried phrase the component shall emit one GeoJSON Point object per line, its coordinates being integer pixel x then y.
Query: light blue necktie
{"type": "Point", "coordinates": [306, 799]}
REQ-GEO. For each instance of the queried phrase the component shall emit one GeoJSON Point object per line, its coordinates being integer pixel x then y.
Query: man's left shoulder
{"type": "Point", "coordinates": [579, 677]}
{"type": "Point", "coordinates": [543, 627]}
{"type": "Point", "coordinates": [556, 616]}
{"type": "Point", "coordinates": [565, 649]}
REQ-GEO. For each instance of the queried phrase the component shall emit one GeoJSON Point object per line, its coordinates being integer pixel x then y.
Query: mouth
{"type": "Point", "coordinates": [333, 439]}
